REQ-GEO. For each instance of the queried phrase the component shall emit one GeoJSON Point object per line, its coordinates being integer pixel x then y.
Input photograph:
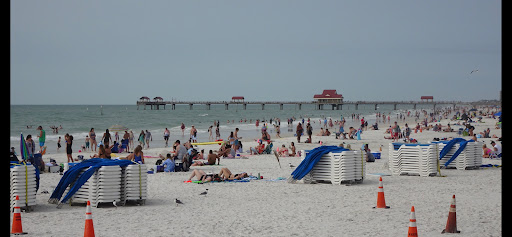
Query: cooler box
{"type": "Point", "coordinates": [376, 155]}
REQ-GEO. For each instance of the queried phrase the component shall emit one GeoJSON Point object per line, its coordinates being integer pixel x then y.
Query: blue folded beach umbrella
{"type": "Point", "coordinates": [23, 149]}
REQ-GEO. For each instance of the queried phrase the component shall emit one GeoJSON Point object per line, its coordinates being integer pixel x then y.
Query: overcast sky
{"type": "Point", "coordinates": [115, 51]}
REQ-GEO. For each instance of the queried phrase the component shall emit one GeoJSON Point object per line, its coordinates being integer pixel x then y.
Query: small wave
{"type": "Point", "coordinates": [203, 115]}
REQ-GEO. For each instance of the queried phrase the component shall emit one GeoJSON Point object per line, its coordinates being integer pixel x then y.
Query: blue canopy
{"type": "Point", "coordinates": [312, 158]}
{"type": "Point", "coordinates": [72, 175]}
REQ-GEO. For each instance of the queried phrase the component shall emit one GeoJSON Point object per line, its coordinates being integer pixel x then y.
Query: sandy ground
{"type": "Point", "coordinates": [277, 208]}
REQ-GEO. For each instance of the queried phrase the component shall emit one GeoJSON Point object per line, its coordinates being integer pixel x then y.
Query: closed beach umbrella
{"type": "Point", "coordinates": [23, 149]}
{"type": "Point", "coordinates": [117, 128]}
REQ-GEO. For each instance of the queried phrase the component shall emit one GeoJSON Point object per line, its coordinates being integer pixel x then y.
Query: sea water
{"type": "Point", "coordinates": [77, 120]}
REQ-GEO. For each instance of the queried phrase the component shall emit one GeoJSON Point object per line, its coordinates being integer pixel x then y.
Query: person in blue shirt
{"type": "Point", "coordinates": [168, 164]}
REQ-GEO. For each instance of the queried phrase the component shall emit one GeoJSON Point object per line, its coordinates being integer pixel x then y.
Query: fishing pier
{"type": "Point", "coordinates": [328, 98]}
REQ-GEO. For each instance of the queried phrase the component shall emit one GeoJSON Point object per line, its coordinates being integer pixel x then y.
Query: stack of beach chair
{"type": "Point", "coordinates": [413, 159]}
{"type": "Point", "coordinates": [338, 168]}
{"type": "Point", "coordinates": [23, 184]}
{"type": "Point", "coordinates": [104, 186]}
{"type": "Point", "coordinates": [134, 184]}
{"type": "Point", "coordinates": [469, 158]}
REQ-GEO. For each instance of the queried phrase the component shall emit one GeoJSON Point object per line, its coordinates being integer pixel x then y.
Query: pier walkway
{"type": "Point", "coordinates": [158, 104]}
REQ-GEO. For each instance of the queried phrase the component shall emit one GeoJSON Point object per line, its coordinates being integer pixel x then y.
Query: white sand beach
{"type": "Point", "coordinates": [277, 208]}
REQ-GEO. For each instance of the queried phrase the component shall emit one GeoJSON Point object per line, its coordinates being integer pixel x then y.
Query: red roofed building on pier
{"type": "Point", "coordinates": [329, 97]}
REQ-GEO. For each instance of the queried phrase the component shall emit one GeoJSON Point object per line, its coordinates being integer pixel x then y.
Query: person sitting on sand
{"type": "Point", "coordinates": [211, 160]}
{"type": "Point", "coordinates": [327, 133]}
{"type": "Point", "coordinates": [264, 135]}
{"type": "Point", "coordinates": [168, 163]}
{"type": "Point", "coordinates": [321, 133]}
{"type": "Point", "coordinates": [369, 156]}
{"type": "Point", "coordinates": [258, 149]}
{"type": "Point", "coordinates": [224, 151]}
{"type": "Point", "coordinates": [487, 152]}
{"type": "Point", "coordinates": [283, 151]}
{"type": "Point", "coordinates": [496, 148]}
{"type": "Point", "coordinates": [137, 155]}
{"type": "Point", "coordinates": [226, 174]}
{"type": "Point", "coordinates": [448, 128]}
{"type": "Point", "coordinates": [101, 153]}
{"type": "Point", "coordinates": [352, 132]}
{"type": "Point", "coordinates": [292, 149]}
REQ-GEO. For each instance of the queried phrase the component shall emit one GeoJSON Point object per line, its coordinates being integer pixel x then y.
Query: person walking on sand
{"type": "Point", "coordinates": [94, 143]}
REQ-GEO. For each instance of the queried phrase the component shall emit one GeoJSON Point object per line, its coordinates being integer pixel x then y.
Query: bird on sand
{"type": "Point", "coordinates": [204, 193]}
{"type": "Point", "coordinates": [177, 201]}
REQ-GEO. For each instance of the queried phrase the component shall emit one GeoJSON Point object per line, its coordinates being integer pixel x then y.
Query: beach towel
{"type": "Point", "coordinates": [312, 158]}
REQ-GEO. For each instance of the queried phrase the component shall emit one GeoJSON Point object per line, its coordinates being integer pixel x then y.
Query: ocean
{"type": "Point", "coordinates": [77, 120]}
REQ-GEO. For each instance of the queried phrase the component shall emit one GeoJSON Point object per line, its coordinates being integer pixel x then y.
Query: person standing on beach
{"type": "Point", "coordinates": [42, 138]}
{"type": "Point", "coordinates": [210, 138]}
{"type": "Point", "coordinates": [148, 138]}
{"type": "Point", "coordinates": [31, 146]}
{"type": "Point", "coordinates": [141, 138]}
{"type": "Point", "coordinates": [299, 132]}
{"type": "Point", "coordinates": [131, 139]}
{"type": "Point", "coordinates": [309, 130]}
{"type": "Point", "coordinates": [193, 134]}
{"type": "Point", "coordinates": [58, 145]}
{"type": "Point", "coordinates": [69, 150]}
{"type": "Point", "coordinates": [182, 129]}
{"type": "Point", "coordinates": [92, 135]}
{"type": "Point", "coordinates": [166, 137]}
{"type": "Point", "coordinates": [217, 132]}
{"type": "Point", "coordinates": [107, 138]}
{"type": "Point", "coordinates": [396, 130]}
{"type": "Point", "coordinates": [87, 142]}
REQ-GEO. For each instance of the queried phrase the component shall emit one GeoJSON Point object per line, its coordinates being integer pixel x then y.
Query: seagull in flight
{"type": "Point", "coordinates": [473, 71]}
{"type": "Point", "coordinates": [177, 201]}
{"type": "Point", "coordinates": [204, 193]}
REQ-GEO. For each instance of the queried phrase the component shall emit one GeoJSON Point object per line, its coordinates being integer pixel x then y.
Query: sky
{"type": "Point", "coordinates": [116, 51]}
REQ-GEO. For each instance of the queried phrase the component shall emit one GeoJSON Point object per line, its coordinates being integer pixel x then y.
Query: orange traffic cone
{"type": "Point", "coordinates": [381, 201]}
{"type": "Point", "coordinates": [17, 228]}
{"type": "Point", "coordinates": [413, 230]}
{"type": "Point", "coordinates": [89, 228]}
{"type": "Point", "coordinates": [451, 223]}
